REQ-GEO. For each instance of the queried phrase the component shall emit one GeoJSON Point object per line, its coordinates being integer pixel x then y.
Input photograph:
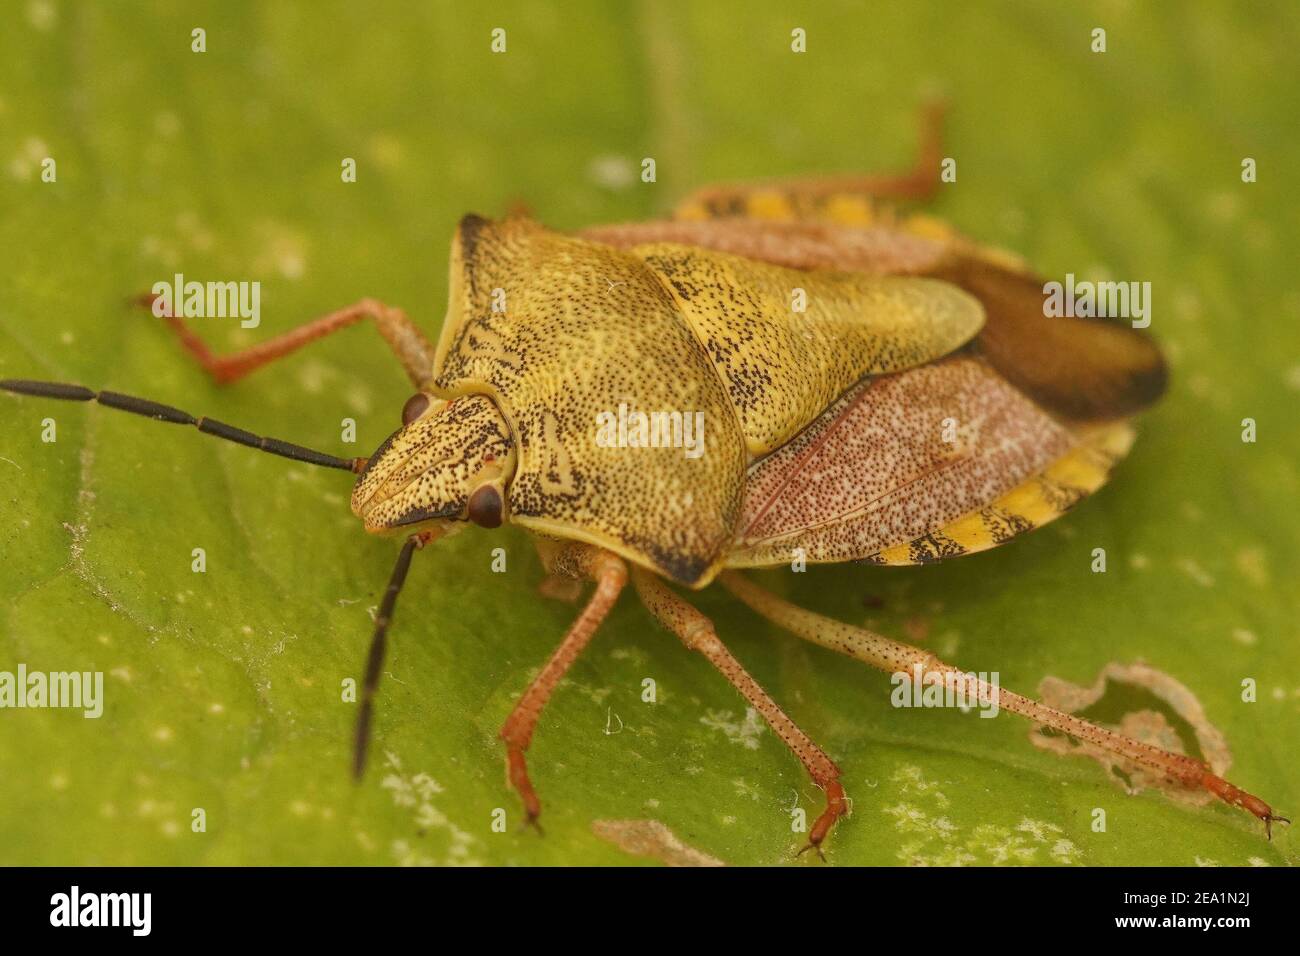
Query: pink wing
{"type": "Point", "coordinates": [896, 458]}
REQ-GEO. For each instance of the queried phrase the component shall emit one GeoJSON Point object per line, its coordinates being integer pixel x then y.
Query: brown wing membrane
{"type": "Point", "coordinates": [1083, 368]}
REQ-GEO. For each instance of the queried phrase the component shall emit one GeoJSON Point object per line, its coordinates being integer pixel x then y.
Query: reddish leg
{"type": "Point", "coordinates": [610, 575]}
{"type": "Point", "coordinates": [919, 183]}
{"type": "Point", "coordinates": [894, 657]}
{"type": "Point", "coordinates": [406, 340]}
{"type": "Point", "coordinates": [697, 633]}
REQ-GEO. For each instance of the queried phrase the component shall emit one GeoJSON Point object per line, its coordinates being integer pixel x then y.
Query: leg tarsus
{"type": "Point", "coordinates": [837, 805]}
{"type": "Point", "coordinates": [1236, 797]}
{"type": "Point", "coordinates": [517, 773]}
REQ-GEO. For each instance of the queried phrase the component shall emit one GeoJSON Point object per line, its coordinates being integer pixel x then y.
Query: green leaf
{"type": "Point", "coordinates": [224, 689]}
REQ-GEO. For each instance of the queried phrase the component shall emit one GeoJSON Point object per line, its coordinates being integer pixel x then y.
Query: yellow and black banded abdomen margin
{"type": "Point", "coordinates": [1031, 504]}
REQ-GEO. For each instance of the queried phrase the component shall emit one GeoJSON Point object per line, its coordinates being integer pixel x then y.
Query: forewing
{"type": "Point", "coordinates": [787, 343]}
{"type": "Point", "coordinates": [1039, 499]}
{"type": "Point", "coordinates": [896, 458]}
{"type": "Point", "coordinates": [1083, 368]}
{"type": "Point", "coordinates": [877, 250]}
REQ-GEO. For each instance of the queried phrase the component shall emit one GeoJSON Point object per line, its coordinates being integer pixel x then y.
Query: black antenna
{"type": "Point", "coordinates": [378, 647]}
{"type": "Point", "coordinates": [165, 413]}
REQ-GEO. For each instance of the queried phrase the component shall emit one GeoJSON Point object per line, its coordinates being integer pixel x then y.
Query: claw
{"type": "Point", "coordinates": [810, 845]}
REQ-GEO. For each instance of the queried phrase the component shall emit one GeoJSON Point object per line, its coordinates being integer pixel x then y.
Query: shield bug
{"type": "Point", "coordinates": [916, 406]}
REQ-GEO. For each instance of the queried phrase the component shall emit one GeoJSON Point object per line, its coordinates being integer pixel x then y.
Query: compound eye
{"type": "Point", "coordinates": [415, 407]}
{"type": "Point", "coordinates": [485, 507]}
